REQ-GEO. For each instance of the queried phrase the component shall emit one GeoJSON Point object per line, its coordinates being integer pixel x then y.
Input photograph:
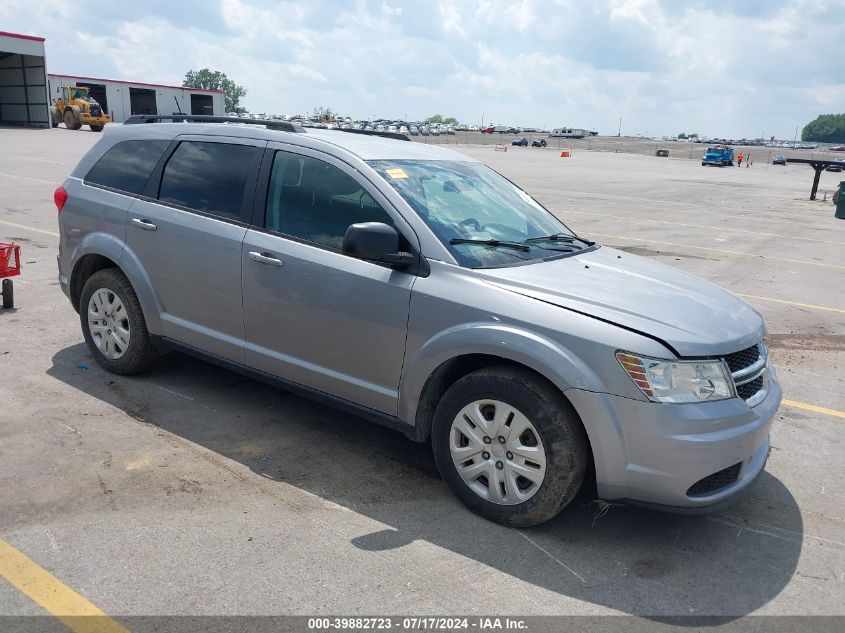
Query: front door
{"type": "Point", "coordinates": [313, 315]}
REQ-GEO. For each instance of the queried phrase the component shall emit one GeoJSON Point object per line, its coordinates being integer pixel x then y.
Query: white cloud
{"type": "Point", "coordinates": [715, 67]}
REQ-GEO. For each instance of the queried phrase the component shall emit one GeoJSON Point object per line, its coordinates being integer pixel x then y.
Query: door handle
{"type": "Point", "coordinates": [265, 258]}
{"type": "Point", "coordinates": [144, 224]}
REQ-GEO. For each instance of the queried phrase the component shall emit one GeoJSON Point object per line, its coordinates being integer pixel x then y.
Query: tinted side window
{"type": "Point", "coordinates": [210, 177]}
{"type": "Point", "coordinates": [127, 165]}
{"type": "Point", "coordinates": [315, 201]}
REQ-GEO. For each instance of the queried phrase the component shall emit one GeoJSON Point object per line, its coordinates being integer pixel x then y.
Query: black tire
{"type": "Point", "coordinates": [8, 290]}
{"type": "Point", "coordinates": [560, 430]}
{"type": "Point", "coordinates": [70, 120]}
{"type": "Point", "coordinates": [140, 352]}
{"type": "Point", "coordinates": [96, 128]}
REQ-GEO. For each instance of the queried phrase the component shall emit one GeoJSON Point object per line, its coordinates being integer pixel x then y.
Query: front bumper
{"type": "Point", "coordinates": [652, 454]}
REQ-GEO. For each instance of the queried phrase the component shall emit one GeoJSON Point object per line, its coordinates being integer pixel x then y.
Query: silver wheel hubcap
{"type": "Point", "coordinates": [497, 452]}
{"type": "Point", "coordinates": [108, 323]}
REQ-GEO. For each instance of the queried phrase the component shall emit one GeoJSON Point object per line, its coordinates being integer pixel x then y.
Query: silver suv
{"type": "Point", "coordinates": [422, 290]}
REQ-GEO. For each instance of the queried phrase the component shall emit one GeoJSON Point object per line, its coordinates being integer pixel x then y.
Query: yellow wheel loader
{"type": "Point", "coordinates": [75, 108]}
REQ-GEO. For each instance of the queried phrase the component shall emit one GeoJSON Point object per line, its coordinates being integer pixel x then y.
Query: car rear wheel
{"type": "Point", "coordinates": [113, 324]}
{"type": "Point", "coordinates": [509, 446]}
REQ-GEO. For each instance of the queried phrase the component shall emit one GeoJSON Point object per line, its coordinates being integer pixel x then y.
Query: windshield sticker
{"type": "Point", "coordinates": [396, 173]}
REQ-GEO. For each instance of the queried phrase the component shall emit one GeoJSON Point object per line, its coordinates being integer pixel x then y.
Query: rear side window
{"type": "Point", "coordinates": [127, 166]}
{"type": "Point", "coordinates": [209, 177]}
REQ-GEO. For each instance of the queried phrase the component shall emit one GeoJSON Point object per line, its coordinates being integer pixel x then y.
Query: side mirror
{"type": "Point", "coordinates": [375, 241]}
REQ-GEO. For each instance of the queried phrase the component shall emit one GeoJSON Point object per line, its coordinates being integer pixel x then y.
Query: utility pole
{"type": "Point", "coordinates": [619, 133]}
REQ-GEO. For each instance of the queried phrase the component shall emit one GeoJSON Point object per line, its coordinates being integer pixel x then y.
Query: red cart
{"type": "Point", "coordinates": [10, 265]}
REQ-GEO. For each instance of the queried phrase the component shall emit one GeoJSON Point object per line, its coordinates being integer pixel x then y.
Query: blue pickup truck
{"type": "Point", "coordinates": [719, 156]}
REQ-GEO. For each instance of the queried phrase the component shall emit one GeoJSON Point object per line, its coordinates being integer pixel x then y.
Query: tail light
{"type": "Point", "coordinates": [60, 197]}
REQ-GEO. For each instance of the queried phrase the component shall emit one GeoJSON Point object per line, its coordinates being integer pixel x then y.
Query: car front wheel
{"type": "Point", "coordinates": [509, 445]}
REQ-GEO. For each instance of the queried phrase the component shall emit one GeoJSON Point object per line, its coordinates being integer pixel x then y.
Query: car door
{"type": "Point", "coordinates": [313, 315]}
{"type": "Point", "coordinates": [187, 231]}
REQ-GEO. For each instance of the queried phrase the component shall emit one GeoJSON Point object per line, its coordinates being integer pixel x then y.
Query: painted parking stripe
{"type": "Point", "coordinates": [48, 182]}
{"type": "Point", "coordinates": [813, 408]}
{"type": "Point", "coordinates": [50, 593]}
{"type": "Point", "coordinates": [720, 250]}
{"type": "Point", "coordinates": [29, 228]}
{"type": "Point", "coordinates": [791, 303]}
{"type": "Point", "coordinates": [701, 226]}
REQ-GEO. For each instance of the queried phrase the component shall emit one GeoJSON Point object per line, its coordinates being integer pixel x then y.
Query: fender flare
{"type": "Point", "coordinates": [548, 358]}
{"type": "Point", "coordinates": [114, 249]}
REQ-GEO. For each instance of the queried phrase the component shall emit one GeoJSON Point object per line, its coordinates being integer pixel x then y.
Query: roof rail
{"type": "Point", "coordinates": [286, 126]}
{"type": "Point", "coordinates": [394, 135]}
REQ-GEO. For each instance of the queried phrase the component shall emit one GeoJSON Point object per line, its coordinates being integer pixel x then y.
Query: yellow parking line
{"type": "Point", "coordinates": [814, 408]}
{"type": "Point", "coordinates": [29, 228]}
{"type": "Point", "coordinates": [59, 600]}
{"type": "Point", "coordinates": [701, 226]}
{"type": "Point", "coordinates": [720, 250]}
{"type": "Point", "coordinates": [792, 303]}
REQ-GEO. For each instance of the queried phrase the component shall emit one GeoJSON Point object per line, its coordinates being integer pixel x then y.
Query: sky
{"type": "Point", "coordinates": [723, 68]}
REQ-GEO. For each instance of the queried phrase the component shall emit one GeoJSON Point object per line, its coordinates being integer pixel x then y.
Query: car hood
{"type": "Point", "coordinates": [693, 316]}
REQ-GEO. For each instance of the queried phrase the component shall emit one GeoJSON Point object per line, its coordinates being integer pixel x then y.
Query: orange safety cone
{"type": "Point", "coordinates": [564, 153]}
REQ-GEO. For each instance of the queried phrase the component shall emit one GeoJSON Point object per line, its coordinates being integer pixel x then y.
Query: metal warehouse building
{"type": "Point", "coordinates": [23, 80]}
{"type": "Point", "coordinates": [120, 99]}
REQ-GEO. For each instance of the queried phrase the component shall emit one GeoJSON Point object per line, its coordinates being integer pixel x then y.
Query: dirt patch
{"type": "Point", "coordinates": [651, 568]}
{"type": "Point", "coordinates": [650, 252]}
{"type": "Point", "coordinates": [807, 342]}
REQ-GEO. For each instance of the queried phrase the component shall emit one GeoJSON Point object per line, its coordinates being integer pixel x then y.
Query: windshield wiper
{"type": "Point", "coordinates": [559, 237]}
{"type": "Point", "coordinates": [517, 246]}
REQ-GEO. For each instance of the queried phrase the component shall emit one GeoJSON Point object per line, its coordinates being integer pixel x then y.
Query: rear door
{"type": "Point", "coordinates": [314, 315]}
{"type": "Point", "coordinates": [187, 231]}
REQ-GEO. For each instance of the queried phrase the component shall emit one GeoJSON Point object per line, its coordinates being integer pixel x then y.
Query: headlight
{"type": "Point", "coordinates": [678, 381]}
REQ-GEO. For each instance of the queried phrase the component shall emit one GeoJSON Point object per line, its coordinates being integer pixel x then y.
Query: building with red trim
{"type": "Point", "coordinates": [27, 91]}
{"type": "Point", "coordinates": [120, 98]}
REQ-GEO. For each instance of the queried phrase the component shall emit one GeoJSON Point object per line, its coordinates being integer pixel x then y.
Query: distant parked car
{"type": "Point", "coordinates": [521, 141]}
{"type": "Point", "coordinates": [538, 142]}
{"type": "Point", "coordinates": [837, 166]}
{"type": "Point", "coordinates": [414, 130]}
{"type": "Point", "coordinates": [838, 148]}
{"type": "Point", "coordinates": [780, 159]}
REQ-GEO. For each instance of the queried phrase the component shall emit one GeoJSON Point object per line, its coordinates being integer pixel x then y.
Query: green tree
{"type": "Point", "coordinates": [439, 118]}
{"type": "Point", "coordinates": [825, 128]}
{"type": "Point", "coordinates": [216, 80]}
{"type": "Point", "coordinates": [324, 114]}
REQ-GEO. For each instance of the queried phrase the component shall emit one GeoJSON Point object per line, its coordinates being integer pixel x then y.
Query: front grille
{"type": "Point", "coordinates": [715, 482]}
{"type": "Point", "coordinates": [750, 388]}
{"type": "Point", "coordinates": [740, 360]}
{"type": "Point", "coordinates": [748, 379]}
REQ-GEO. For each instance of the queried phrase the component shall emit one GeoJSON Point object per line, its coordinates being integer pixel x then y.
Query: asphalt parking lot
{"type": "Point", "coordinates": [192, 490]}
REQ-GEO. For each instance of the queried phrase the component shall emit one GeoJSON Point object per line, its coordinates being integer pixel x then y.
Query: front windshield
{"type": "Point", "coordinates": [462, 200]}
{"type": "Point", "coordinates": [78, 93]}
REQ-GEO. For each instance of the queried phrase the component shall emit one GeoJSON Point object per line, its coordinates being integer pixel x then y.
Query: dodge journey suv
{"type": "Point", "coordinates": [419, 288]}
